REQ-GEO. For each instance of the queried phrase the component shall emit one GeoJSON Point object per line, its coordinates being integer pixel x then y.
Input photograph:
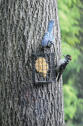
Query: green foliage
{"type": "Point", "coordinates": [69, 16]}
{"type": "Point", "coordinates": [70, 102]}
{"type": "Point", "coordinates": [79, 113]}
{"type": "Point", "coordinates": [69, 123]}
{"type": "Point", "coordinates": [71, 24]}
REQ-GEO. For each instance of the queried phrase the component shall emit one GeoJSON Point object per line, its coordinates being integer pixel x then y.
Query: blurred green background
{"type": "Point", "coordinates": [71, 25]}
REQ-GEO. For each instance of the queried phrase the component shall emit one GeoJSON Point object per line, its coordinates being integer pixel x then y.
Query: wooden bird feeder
{"type": "Point", "coordinates": [43, 68]}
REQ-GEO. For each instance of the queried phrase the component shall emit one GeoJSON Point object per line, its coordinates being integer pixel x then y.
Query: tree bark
{"type": "Point", "coordinates": [23, 24]}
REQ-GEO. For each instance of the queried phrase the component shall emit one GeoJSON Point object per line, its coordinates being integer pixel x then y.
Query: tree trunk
{"type": "Point", "coordinates": [23, 24]}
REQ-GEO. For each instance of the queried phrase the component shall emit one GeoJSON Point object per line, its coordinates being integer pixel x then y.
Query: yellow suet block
{"type": "Point", "coordinates": [41, 66]}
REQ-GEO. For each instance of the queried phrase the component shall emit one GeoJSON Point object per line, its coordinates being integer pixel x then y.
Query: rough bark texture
{"type": "Point", "coordinates": [22, 25]}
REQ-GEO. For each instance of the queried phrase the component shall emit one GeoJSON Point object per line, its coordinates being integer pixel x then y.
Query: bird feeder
{"type": "Point", "coordinates": [43, 68]}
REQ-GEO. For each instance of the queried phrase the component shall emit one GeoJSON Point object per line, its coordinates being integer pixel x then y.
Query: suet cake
{"type": "Point", "coordinates": [41, 66]}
